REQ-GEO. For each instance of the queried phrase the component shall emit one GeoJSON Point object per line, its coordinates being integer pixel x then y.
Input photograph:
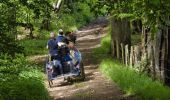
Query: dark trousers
{"type": "Point", "coordinates": [55, 57]}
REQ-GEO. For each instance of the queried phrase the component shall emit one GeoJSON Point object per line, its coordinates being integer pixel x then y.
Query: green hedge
{"type": "Point", "coordinates": [20, 81]}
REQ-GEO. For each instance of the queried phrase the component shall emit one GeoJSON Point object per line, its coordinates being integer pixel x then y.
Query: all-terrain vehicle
{"type": "Point", "coordinates": [56, 69]}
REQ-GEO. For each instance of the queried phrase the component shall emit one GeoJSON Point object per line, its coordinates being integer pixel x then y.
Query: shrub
{"type": "Point", "coordinates": [20, 81]}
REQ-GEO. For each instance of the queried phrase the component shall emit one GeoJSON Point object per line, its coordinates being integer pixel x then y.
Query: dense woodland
{"type": "Point", "coordinates": [139, 37]}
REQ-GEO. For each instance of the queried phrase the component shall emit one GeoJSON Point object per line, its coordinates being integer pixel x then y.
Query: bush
{"type": "Point", "coordinates": [19, 81]}
{"type": "Point", "coordinates": [9, 45]}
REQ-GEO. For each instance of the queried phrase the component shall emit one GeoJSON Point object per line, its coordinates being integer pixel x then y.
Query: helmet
{"type": "Point", "coordinates": [60, 30]}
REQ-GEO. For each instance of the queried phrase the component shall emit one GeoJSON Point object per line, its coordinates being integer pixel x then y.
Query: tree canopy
{"type": "Point", "coordinates": [151, 12]}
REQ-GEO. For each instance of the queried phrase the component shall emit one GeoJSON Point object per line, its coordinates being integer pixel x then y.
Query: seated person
{"type": "Point", "coordinates": [62, 42]}
{"type": "Point", "coordinates": [71, 36]}
{"type": "Point", "coordinates": [53, 51]}
{"type": "Point", "coordinates": [75, 55]}
{"type": "Point", "coordinates": [64, 52]}
{"type": "Point", "coordinates": [52, 46]}
{"type": "Point", "coordinates": [61, 37]}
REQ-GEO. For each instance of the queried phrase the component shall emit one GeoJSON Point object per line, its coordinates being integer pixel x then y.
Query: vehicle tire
{"type": "Point", "coordinates": [69, 79]}
{"type": "Point", "coordinates": [82, 72]}
{"type": "Point", "coordinates": [50, 82]}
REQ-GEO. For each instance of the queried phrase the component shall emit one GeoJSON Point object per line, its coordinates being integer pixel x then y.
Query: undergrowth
{"type": "Point", "coordinates": [134, 83]}
{"type": "Point", "coordinates": [20, 81]}
{"type": "Point", "coordinates": [34, 47]}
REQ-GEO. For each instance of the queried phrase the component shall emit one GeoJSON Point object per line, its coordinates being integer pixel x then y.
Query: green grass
{"type": "Point", "coordinates": [105, 46]}
{"type": "Point", "coordinates": [34, 47]}
{"type": "Point", "coordinates": [29, 86]}
{"type": "Point", "coordinates": [131, 82]}
{"type": "Point", "coordinates": [134, 83]}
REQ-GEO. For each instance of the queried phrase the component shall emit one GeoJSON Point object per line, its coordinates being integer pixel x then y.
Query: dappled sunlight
{"type": "Point", "coordinates": [95, 85]}
{"type": "Point", "coordinates": [134, 84]}
{"type": "Point", "coordinates": [37, 58]}
{"type": "Point", "coordinates": [84, 49]}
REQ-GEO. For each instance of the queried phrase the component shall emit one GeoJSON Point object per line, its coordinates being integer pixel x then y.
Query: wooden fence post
{"type": "Point", "coordinates": [123, 53]}
{"type": "Point", "coordinates": [136, 55]}
{"type": "Point", "coordinates": [152, 63]}
{"type": "Point", "coordinates": [127, 55]}
{"type": "Point", "coordinates": [113, 48]}
{"type": "Point", "coordinates": [117, 49]}
{"type": "Point", "coordinates": [131, 56]}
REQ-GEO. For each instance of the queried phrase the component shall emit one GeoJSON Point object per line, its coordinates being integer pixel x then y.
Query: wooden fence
{"type": "Point", "coordinates": [141, 60]}
{"type": "Point", "coordinates": [131, 55]}
{"type": "Point", "coordinates": [152, 56]}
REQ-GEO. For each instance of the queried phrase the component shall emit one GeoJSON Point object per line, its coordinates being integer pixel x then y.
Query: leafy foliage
{"type": "Point", "coordinates": [19, 81]}
{"type": "Point", "coordinates": [34, 47]}
{"type": "Point", "coordinates": [153, 13]}
{"type": "Point", "coordinates": [19, 13]}
{"type": "Point", "coordinates": [38, 15]}
{"type": "Point", "coordinates": [73, 14]}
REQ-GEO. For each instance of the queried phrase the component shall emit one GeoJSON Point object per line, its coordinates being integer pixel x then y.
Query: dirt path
{"type": "Point", "coordinates": [95, 86]}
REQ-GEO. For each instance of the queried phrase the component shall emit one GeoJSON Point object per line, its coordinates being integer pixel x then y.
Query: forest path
{"type": "Point", "coordinates": [95, 86]}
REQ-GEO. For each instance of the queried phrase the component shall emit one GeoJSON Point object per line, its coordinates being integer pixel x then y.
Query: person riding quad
{"type": "Point", "coordinates": [53, 47]}
{"type": "Point", "coordinates": [54, 59]}
{"type": "Point", "coordinates": [63, 50]}
{"type": "Point", "coordinates": [76, 56]}
{"type": "Point", "coordinates": [71, 36]}
{"type": "Point", "coordinates": [61, 37]}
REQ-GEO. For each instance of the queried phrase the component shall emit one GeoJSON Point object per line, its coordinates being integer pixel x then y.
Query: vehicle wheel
{"type": "Point", "coordinates": [50, 82]}
{"type": "Point", "coordinates": [82, 73]}
{"type": "Point", "coordinates": [69, 79]}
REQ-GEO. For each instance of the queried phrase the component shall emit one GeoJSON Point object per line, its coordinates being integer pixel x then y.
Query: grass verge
{"type": "Point", "coordinates": [131, 82]}
{"type": "Point", "coordinates": [134, 83]}
{"type": "Point", "coordinates": [34, 47]}
{"type": "Point", "coordinates": [105, 46]}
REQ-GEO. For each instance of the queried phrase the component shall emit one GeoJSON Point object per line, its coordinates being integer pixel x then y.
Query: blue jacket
{"type": "Point", "coordinates": [66, 58]}
{"type": "Point", "coordinates": [60, 38]}
{"type": "Point", "coordinates": [53, 47]}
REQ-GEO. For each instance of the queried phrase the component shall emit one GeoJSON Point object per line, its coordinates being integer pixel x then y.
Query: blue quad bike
{"type": "Point", "coordinates": [68, 71]}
